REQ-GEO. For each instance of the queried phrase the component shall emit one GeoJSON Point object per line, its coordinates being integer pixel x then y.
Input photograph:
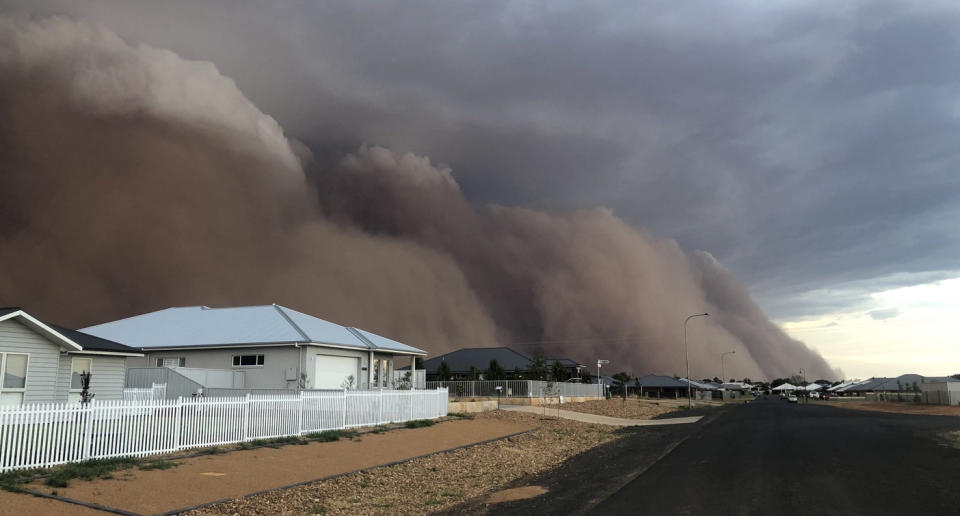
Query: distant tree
{"type": "Point", "coordinates": [495, 371]}
{"type": "Point", "coordinates": [418, 362]}
{"type": "Point", "coordinates": [444, 372]}
{"type": "Point", "coordinates": [517, 373]}
{"type": "Point", "coordinates": [537, 370]}
{"type": "Point", "coordinates": [899, 386]}
{"type": "Point", "coordinates": [558, 373]}
{"type": "Point", "coordinates": [777, 382]}
{"type": "Point", "coordinates": [474, 373]}
{"type": "Point", "coordinates": [957, 376]}
{"type": "Point", "coordinates": [705, 380]}
{"type": "Point", "coordinates": [747, 380]}
{"type": "Point", "coordinates": [916, 388]}
{"type": "Point", "coordinates": [621, 380]}
{"type": "Point", "coordinates": [715, 380]}
{"type": "Point", "coordinates": [733, 381]}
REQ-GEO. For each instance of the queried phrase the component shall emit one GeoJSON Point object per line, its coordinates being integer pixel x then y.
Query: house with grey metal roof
{"type": "Point", "coordinates": [42, 362]}
{"type": "Point", "coordinates": [274, 347]}
{"type": "Point", "coordinates": [463, 362]}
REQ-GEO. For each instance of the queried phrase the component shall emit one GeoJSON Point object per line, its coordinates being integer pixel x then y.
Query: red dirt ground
{"type": "Point", "coordinates": [216, 477]}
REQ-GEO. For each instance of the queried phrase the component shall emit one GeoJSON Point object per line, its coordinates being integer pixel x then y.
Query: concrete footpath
{"type": "Point", "coordinates": [600, 420]}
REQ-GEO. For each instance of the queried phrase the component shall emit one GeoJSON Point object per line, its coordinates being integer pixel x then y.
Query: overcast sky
{"type": "Point", "coordinates": [810, 147]}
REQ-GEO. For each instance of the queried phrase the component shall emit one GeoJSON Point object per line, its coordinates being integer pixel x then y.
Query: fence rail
{"type": "Point", "coordinates": [516, 388]}
{"type": "Point", "coordinates": [50, 434]}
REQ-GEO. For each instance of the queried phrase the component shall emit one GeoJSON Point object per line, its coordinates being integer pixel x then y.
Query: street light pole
{"type": "Point", "coordinates": [723, 374]}
{"type": "Point", "coordinates": [600, 378]}
{"type": "Point", "coordinates": [686, 355]}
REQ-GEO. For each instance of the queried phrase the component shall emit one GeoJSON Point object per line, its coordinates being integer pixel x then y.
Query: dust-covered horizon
{"type": "Point", "coordinates": [135, 180]}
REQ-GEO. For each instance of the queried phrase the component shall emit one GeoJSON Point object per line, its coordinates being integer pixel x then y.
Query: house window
{"type": "Point", "coordinates": [172, 362]}
{"type": "Point", "coordinates": [14, 374]}
{"type": "Point", "coordinates": [247, 360]}
{"type": "Point", "coordinates": [79, 366]}
{"type": "Point", "coordinates": [376, 373]}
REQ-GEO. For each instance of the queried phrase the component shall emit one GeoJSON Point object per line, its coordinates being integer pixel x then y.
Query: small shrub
{"type": "Point", "coordinates": [214, 450]}
{"type": "Point", "coordinates": [319, 509]}
{"type": "Point", "coordinates": [461, 415]}
{"type": "Point", "coordinates": [419, 423]}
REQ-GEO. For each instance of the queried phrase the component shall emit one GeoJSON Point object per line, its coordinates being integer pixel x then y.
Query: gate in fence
{"type": "Point", "coordinates": [45, 435]}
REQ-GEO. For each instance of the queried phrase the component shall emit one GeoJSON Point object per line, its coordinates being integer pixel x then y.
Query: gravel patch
{"type": "Point", "coordinates": [434, 483]}
{"type": "Point", "coordinates": [619, 407]}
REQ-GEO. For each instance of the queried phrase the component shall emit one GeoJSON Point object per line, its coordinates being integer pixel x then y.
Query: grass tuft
{"type": "Point", "coordinates": [89, 470]}
{"type": "Point", "coordinates": [12, 480]}
{"type": "Point", "coordinates": [419, 423]}
{"type": "Point", "coordinates": [160, 464]}
{"type": "Point", "coordinates": [331, 435]}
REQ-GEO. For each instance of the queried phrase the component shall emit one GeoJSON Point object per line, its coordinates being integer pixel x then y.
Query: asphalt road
{"type": "Point", "coordinates": [774, 458]}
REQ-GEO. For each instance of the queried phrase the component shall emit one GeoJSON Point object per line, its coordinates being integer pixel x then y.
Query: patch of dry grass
{"type": "Point", "coordinates": [437, 482]}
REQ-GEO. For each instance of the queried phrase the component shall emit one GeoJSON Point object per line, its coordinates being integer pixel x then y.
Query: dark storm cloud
{"type": "Point", "coordinates": [810, 150]}
{"type": "Point", "coordinates": [802, 147]}
{"type": "Point", "coordinates": [136, 179]}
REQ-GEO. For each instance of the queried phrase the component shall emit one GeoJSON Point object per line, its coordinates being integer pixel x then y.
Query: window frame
{"type": "Point", "coordinates": [181, 361]}
{"type": "Point", "coordinates": [72, 359]}
{"type": "Point", "coordinates": [22, 391]}
{"type": "Point", "coordinates": [259, 360]}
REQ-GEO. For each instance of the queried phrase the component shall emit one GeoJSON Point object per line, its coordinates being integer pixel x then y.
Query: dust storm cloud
{"type": "Point", "coordinates": [134, 180]}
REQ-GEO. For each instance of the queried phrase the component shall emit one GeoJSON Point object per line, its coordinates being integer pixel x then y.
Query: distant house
{"type": "Point", "coordinates": [463, 362]}
{"type": "Point", "coordinates": [662, 386]}
{"type": "Point", "coordinates": [273, 346]}
{"type": "Point", "coordinates": [902, 383]}
{"type": "Point", "coordinates": [42, 363]}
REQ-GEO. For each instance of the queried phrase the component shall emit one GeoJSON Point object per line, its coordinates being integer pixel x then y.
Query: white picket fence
{"type": "Point", "coordinates": [46, 435]}
{"type": "Point", "coordinates": [157, 391]}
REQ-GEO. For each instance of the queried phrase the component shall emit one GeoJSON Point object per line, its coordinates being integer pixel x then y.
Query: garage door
{"type": "Point", "coordinates": [331, 372]}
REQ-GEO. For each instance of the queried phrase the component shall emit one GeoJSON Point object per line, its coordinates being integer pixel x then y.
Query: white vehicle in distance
{"type": "Point", "coordinates": [792, 398]}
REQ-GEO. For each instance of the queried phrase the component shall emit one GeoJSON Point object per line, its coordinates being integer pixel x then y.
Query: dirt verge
{"type": "Point", "coordinates": [438, 482]}
{"type": "Point", "coordinates": [215, 477]}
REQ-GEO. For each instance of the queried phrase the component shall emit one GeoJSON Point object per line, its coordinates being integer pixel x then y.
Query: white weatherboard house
{"type": "Point", "coordinates": [275, 347]}
{"type": "Point", "coordinates": [42, 363]}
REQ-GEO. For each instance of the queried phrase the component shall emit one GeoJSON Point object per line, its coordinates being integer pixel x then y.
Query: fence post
{"type": "Point", "coordinates": [300, 416]}
{"type": "Point", "coordinates": [88, 432]}
{"type": "Point", "coordinates": [380, 408]}
{"type": "Point", "coordinates": [412, 398]}
{"type": "Point", "coordinates": [179, 423]}
{"type": "Point", "coordinates": [344, 425]}
{"type": "Point", "coordinates": [246, 417]}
